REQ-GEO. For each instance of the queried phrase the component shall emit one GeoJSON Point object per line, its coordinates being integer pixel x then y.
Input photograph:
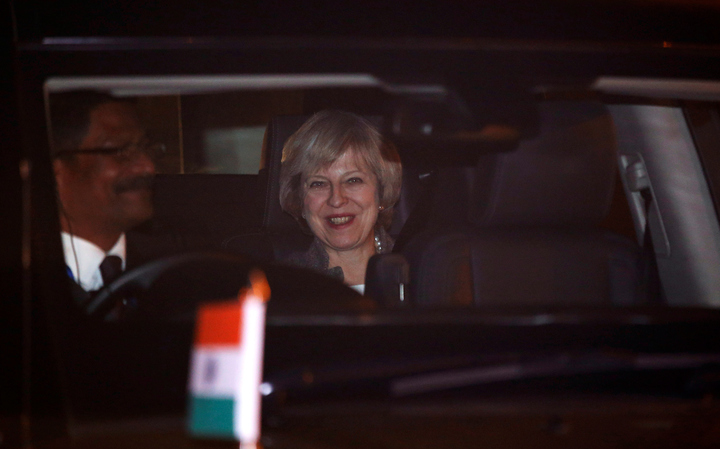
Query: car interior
{"type": "Point", "coordinates": [531, 214]}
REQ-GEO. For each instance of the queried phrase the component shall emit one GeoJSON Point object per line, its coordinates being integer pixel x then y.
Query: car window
{"type": "Point", "coordinates": [217, 126]}
{"type": "Point", "coordinates": [221, 133]}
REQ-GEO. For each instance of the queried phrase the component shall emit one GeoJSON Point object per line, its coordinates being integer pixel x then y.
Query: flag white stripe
{"type": "Point", "coordinates": [215, 371]}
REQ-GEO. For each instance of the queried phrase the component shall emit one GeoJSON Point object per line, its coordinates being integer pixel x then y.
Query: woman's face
{"type": "Point", "coordinates": [341, 204]}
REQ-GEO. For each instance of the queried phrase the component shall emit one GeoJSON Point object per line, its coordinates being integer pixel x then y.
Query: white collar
{"type": "Point", "coordinates": [83, 259]}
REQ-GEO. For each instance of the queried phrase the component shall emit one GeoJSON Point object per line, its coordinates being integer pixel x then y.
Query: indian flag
{"type": "Point", "coordinates": [226, 366]}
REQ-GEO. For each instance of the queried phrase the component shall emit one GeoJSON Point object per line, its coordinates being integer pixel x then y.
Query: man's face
{"type": "Point", "coordinates": [107, 192]}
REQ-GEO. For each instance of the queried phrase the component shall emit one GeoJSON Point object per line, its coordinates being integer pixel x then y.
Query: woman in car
{"type": "Point", "coordinates": [340, 181]}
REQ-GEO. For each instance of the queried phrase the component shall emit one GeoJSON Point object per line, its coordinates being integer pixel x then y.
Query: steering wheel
{"type": "Point", "coordinates": [173, 286]}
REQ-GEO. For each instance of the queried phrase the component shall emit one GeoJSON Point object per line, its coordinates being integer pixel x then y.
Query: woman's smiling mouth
{"type": "Point", "coordinates": [338, 220]}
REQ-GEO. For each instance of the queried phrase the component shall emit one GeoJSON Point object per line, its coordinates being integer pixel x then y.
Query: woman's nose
{"type": "Point", "coordinates": [337, 196]}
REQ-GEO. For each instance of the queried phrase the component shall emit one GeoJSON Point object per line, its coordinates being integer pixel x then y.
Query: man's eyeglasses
{"type": "Point", "coordinates": [125, 153]}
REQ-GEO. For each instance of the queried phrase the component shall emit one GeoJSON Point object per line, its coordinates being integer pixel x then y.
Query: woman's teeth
{"type": "Point", "coordinates": [340, 220]}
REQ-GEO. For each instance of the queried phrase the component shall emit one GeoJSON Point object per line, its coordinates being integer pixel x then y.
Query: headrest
{"type": "Point", "coordinates": [564, 176]}
{"type": "Point", "coordinates": [278, 131]}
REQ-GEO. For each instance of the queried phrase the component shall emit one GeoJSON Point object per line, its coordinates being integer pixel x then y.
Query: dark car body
{"type": "Point", "coordinates": [350, 372]}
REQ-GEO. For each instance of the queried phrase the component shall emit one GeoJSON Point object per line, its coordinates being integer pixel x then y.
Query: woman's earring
{"type": "Point", "coordinates": [381, 207]}
{"type": "Point", "coordinates": [303, 215]}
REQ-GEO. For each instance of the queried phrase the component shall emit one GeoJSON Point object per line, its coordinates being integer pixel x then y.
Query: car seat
{"type": "Point", "coordinates": [529, 233]}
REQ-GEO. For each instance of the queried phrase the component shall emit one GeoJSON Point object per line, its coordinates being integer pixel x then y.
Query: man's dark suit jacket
{"type": "Point", "coordinates": [140, 367]}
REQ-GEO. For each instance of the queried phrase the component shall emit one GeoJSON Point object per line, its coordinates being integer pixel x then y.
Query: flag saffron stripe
{"type": "Point", "coordinates": [219, 324]}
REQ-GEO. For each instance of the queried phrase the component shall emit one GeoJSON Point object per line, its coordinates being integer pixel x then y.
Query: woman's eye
{"type": "Point", "coordinates": [317, 184]}
{"type": "Point", "coordinates": [355, 180]}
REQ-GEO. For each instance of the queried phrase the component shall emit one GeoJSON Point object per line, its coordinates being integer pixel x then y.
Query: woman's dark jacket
{"type": "Point", "coordinates": [317, 259]}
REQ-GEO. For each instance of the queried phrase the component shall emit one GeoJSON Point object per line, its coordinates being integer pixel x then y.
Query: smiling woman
{"type": "Point", "coordinates": [340, 181]}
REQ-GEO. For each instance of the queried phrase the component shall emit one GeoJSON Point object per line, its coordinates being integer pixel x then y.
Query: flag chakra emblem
{"type": "Point", "coordinates": [210, 369]}
{"type": "Point", "coordinates": [226, 366]}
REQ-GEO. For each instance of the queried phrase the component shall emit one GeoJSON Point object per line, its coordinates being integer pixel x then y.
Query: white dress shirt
{"type": "Point", "coordinates": [83, 259]}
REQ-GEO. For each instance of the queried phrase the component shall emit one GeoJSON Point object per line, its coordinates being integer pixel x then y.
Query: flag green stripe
{"type": "Point", "coordinates": [211, 417]}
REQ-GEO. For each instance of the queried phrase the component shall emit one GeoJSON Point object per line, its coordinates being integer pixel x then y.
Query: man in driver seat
{"type": "Point", "coordinates": [104, 168]}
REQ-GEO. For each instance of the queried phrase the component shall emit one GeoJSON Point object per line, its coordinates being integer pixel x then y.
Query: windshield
{"type": "Point", "coordinates": [208, 179]}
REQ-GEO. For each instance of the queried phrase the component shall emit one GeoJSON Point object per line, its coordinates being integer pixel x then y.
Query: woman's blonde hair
{"type": "Point", "coordinates": [322, 140]}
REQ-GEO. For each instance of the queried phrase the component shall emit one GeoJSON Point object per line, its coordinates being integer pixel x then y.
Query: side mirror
{"type": "Point", "coordinates": [387, 279]}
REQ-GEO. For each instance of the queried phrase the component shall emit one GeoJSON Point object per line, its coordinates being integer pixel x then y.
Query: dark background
{"type": "Point", "coordinates": [689, 21]}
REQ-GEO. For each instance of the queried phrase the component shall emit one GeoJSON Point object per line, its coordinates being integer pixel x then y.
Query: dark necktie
{"type": "Point", "coordinates": [110, 269]}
